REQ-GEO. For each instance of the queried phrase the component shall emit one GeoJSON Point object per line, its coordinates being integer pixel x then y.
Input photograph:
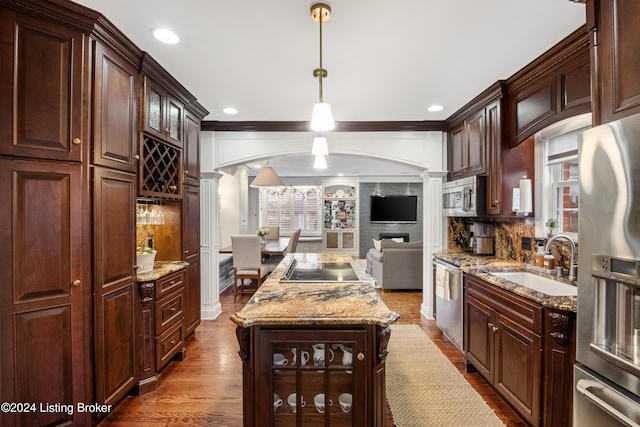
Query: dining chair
{"type": "Point", "coordinates": [274, 232]}
{"type": "Point", "coordinates": [247, 262]}
{"type": "Point", "coordinates": [293, 241]}
{"type": "Point", "coordinates": [274, 260]}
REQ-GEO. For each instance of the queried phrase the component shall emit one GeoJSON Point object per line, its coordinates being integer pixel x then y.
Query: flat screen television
{"type": "Point", "coordinates": [394, 209]}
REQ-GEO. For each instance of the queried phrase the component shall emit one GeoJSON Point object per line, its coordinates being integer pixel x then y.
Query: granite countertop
{"type": "Point", "coordinates": [161, 269]}
{"type": "Point", "coordinates": [480, 266]}
{"type": "Point", "coordinates": [306, 304]}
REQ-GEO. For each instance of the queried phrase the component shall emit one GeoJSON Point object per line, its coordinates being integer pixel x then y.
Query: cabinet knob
{"type": "Point", "coordinates": [137, 157]}
{"type": "Point", "coordinates": [186, 252]}
{"type": "Point", "coordinates": [173, 309]}
{"type": "Point", "coordinates": [495, 328]}
{"type": "Point", "coordinates": [186, 172]}
{"type": "Point", "coordinates": [76, 283]}
{"type": "Point", "coordinates": [489, 325]}
{"type": "Point", "coordinates": [173, 342]}
{"type": "Point", "coordinates": [76, 141]}
{"type": "Point", "coordinates": [360, 356]}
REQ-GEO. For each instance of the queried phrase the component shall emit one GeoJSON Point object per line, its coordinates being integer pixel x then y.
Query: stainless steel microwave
{"type": "Point", "coordinates": [465, 197]}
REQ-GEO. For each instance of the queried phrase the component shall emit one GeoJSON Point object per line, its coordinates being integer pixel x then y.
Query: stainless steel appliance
{"type": "Point", "coordinates": [449, 294]}
{"type": "Point", "coordinates": [607, 378]}
{"type": "Point", "coordinates": [324, 272]}
{"type": "Point", "coordinates": [465, 197]}
{"type": "Point", "coordinates": [482, 245]}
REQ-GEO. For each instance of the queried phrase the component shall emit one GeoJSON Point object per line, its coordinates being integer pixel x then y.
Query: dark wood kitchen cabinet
{"type": "Point", "coordinates": [161, 333]}
{"type": "Point", "coordinates": [70, 132]}
{"type": "Point", "coordinates": [554, 87]}
{"type": "Point", "coordinates": [114, 203]}
{"type": "Point", "coordinates": [42, 109]}
{"type": "Point", "coordinates": [475, 142]}
{"type": "Point", "coordinates": [615, 58]}
{"type": "Point", "coordinates": [115, 127]}
{"type": "Point", "coordinates": [503, 341]}
{"type": "Point", "coordinates": [320, 365]}
{"type": "Point", "coordinates": [191, 150]}
{"type": "Point", "coordinates": [191, 254]}
{"type": "Point", "coordinates": [467, 148]}
{"type": "Point", "coordinates": [44, 283]}
{"type": "Point", "coordinates": [163, 113]}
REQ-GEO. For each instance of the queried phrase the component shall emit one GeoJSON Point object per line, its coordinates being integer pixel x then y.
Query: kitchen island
{"type": "Point", "coordinates": [300, 341]}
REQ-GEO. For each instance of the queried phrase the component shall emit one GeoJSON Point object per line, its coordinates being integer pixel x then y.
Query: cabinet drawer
{"type": "Point", "coordinates": [169, 310]}
{"type": "Point", "coordinates": [169, 284]}
{"type": "Point", "coordinates": [525, 312]}
{"type": "Point", "coordinates": [169, 344]}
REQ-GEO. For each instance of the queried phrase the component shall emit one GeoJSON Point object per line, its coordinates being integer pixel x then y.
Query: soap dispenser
{"type": "Point", "coordinates": [539, 255]}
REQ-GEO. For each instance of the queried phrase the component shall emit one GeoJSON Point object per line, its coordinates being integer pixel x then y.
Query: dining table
{"type": "Point", "coordinates": [270, 247]}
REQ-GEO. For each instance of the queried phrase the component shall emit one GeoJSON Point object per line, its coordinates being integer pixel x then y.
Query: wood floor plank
{"type": "Point", "coordinates": [205, 389]}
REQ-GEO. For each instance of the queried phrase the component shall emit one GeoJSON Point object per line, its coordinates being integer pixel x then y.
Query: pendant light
{"type": "Point", "coordinates": [320, 147]}
{"type": "Point", "coordinates": [321, 117]}
{"type": "Point", "coordinates": [267, 177]}
{"type": "Point", "coordinates": [320, 162]}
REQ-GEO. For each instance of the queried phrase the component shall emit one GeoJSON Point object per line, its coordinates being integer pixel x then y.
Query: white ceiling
{"type": "Point", "coordinates": [386, 61]}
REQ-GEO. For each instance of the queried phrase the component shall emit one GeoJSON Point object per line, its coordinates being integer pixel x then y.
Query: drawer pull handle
{"type": "Point", "coordinates": [173, 282]}
{"type": "Point", "coordinates": [173, 309]}
{"type": "Point", "coordinates": [173, 342]}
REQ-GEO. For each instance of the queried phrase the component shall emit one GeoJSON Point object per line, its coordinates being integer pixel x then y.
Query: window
{"type": "Point", "coordinates": [557, 160]}
{"type": "Point", "coordinates": [291, 208]}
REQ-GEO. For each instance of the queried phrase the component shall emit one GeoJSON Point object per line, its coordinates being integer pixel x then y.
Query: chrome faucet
{"type": "Point", "coordinates": [572, 268]}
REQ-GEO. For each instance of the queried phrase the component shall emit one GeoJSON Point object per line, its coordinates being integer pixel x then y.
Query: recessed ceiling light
{"type": "Point", "coordinates": [165, 36]}
{"type": "Point", "coordinates": [230, 110]}
{"type": "Point", "coordinates": [257, 166]}
{"type": "Point", "coordinates": [435, 108]}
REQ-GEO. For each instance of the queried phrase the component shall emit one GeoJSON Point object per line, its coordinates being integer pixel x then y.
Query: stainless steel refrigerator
{"type": "Point", "coordinates": [607, 375]}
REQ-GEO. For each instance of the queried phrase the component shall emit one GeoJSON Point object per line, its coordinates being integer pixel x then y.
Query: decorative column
{"type": "Point", "coordinates": [433, 235]}
{"type": "Point", "coordinates": [209, 220]}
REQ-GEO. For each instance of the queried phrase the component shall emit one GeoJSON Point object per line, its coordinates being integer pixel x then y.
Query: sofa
{"type": "Point", "coordinates": [396, 265]}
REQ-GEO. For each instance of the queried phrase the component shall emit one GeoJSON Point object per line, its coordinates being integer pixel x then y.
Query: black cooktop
{"type": "Point", "coordinates": [322, 272]}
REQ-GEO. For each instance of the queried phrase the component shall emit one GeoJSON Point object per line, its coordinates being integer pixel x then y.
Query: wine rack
{"type": "Point", "coordinates": [160, 175]}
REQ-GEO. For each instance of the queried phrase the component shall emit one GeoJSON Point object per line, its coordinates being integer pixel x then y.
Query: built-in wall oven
{"type": "Point", "coordinates": [607, 377]}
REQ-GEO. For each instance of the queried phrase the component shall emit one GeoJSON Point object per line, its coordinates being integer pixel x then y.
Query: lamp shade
{"type": "Point", "coordinates": [320, 147]}
{"type": "Point", "coordinates": [320, 163]}
{"type": "Point", "coordinates": [267, 177]}
{"type": "Point", "coordinates": [321, 117]}
{"type": "Point", "coordinates": [526, 199]}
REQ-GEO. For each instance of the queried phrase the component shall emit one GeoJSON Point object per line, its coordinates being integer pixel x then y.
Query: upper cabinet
{"type": "Point", "coordinates": [114, 110]}
{"type": "Point", "coordinates": [553, 87]}
{"type": "Point", "coordinates": [163, 113]}
{"type": "Point", "coordinates": [42, 92]}
{"type": "Point", "coordinates": [615, 58]}
{"type": "Point", "coordinates": [475, 142]}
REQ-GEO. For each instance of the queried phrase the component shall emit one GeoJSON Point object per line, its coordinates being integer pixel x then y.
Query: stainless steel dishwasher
{"type": "Point", "coordinates": [449, 299]}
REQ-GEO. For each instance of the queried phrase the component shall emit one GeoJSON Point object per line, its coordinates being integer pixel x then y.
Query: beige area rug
{"type": "Point", "coordinates": [425, 389]}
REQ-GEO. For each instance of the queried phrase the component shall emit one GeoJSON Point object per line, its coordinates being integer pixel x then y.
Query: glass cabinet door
{"type": "Point", "coordinates": [316, 377]}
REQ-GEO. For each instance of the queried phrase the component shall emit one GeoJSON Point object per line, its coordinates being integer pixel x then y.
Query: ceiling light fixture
{"type": "Point", "coordinates": [320, 147]}
{"type": "Point", "coordinates": [434, 108]}
{"type": "Point", "coordinates": [321, 117]}
{"type": "Point", "coordinates": [230, 110]}
{"type": "Point", "coordinates": [267, 177]}
{"type": "Point", "coordinates": [165, 36]}
{"type": "Point", "coordinates": [320, 162]}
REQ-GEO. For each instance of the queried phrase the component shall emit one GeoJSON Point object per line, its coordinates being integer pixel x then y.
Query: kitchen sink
{"type": "Point", "coordinates": [538, 283]}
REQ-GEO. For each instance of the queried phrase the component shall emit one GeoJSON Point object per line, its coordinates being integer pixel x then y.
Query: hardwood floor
{"type": "Point", "coordinates": [205, 389]}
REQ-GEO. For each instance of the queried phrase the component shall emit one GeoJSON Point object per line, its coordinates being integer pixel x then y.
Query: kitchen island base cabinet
{"type": "Point", "coordinates": [286, 369]}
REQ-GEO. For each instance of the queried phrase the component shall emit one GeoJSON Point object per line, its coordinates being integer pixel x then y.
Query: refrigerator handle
{"type": "Point", "coordinates": [585, 386]}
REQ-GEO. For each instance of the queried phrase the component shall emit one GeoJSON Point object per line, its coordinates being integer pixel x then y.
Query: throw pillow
{"type": "Point", "coordinates": [377, 244]}
{"type": "Point", "coordinates": [398, 239]}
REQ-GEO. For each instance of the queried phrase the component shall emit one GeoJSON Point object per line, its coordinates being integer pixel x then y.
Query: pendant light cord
{"type": "Point", "coordinates": [321, 69]}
